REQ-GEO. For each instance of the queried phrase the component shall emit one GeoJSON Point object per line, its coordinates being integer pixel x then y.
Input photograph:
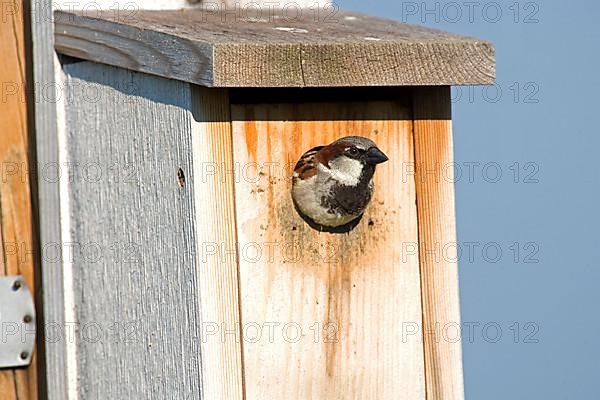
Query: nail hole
{"type": "Point", "coordinates": [24, 355]}
{"type": "Point", "coordinates": [181, 177]}
{"type": "Point", "coordinates": [27, 319]}
{"type": "Point", "coordinates": [17, 285]}
{"type": "Point", "coordinates": [371, 223]}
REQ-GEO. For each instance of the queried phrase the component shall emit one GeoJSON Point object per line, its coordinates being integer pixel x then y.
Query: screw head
{"type": "Point", "coordinates": [27, 319]}
{"type": "Point", "coordinates": [24, 355]}
{"type": "Point", "coordinates": [16, 285]}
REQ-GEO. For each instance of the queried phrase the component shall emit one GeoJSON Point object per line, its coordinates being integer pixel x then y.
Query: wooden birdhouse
{"type": "Point", "coordinates": [193, 274]}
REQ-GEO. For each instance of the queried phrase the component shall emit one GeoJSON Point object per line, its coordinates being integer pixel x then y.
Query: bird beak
{"type": "Point", "coordinates": [376, 156]}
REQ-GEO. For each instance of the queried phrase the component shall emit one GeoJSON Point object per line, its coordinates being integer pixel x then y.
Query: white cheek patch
{"type": "Point", "coordinates": [346, 171]}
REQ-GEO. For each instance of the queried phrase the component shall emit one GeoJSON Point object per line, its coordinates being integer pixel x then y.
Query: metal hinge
{"type": "Point", "coordinates": [17, 322]}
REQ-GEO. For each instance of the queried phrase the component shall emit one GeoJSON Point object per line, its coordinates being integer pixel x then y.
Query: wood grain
{"type": "Point", "coordinates": [216, 238]}
{"type": "Point", "coordinates": [437, 243]}
{"type": "Point", "coordinates": [135, 270]}
{"type": "Point", "coordinates": [323, 315]}
{"type": "Point", "coordinates": [110, 5]}
{"type": "Point", "coordinates": [16, 220]}
{"type": "Point", "coordinates": [235, 50]}
{"type": "Point", "coordinates": [55, 368]}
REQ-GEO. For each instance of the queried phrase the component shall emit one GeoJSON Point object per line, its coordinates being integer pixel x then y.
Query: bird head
{"type": "Point", "coordinates": [351, 158]}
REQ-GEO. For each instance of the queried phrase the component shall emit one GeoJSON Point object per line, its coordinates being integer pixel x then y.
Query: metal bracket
{"type": "Point", "coordinates": [17, 322]}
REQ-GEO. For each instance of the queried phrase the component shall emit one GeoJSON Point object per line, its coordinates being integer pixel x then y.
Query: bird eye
{"type": "Point", "coordinates": [353, 151]}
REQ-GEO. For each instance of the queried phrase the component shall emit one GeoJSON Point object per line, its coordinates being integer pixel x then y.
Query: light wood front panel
{"type": "Point", "coordinates": [215, 230]}
{"type": "Point", "coordinates": [327, 316]}
{"type": "Point", "coordinates": [437, 243]}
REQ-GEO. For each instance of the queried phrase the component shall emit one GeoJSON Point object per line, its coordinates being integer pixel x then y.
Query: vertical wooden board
{"type": "Point", "coordinates": [132, 236]}
{"type": "Point", "coordinates": [326, 316]}
{"type": "Point", "coordinates": [16, 221]}
{"type": "Point", "coordinates": [216, 241]}
{"type": "Point", "coordinates": [437, 243]}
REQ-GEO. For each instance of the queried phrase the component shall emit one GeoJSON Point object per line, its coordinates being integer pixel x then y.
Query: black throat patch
{"type": "Point", "coordinates": [351, 200]}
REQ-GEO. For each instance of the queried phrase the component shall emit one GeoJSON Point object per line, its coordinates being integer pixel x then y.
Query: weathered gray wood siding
{"type": "Point", "coordinates": [131, 222]}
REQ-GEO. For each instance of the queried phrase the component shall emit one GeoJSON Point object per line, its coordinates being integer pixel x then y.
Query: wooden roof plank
{"type": "Point", "coordinates": [224, 50]}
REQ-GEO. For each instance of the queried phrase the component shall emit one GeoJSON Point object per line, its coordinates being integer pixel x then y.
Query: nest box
{"type": "Point", "coordinates": [180, 130]}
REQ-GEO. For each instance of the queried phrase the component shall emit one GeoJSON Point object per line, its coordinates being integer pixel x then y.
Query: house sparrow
{"type": "Point", "coordinates": [332, 185]}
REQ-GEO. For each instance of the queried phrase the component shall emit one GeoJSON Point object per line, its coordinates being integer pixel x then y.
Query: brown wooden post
{"type": "Point", "coordinates": [16, 221]}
